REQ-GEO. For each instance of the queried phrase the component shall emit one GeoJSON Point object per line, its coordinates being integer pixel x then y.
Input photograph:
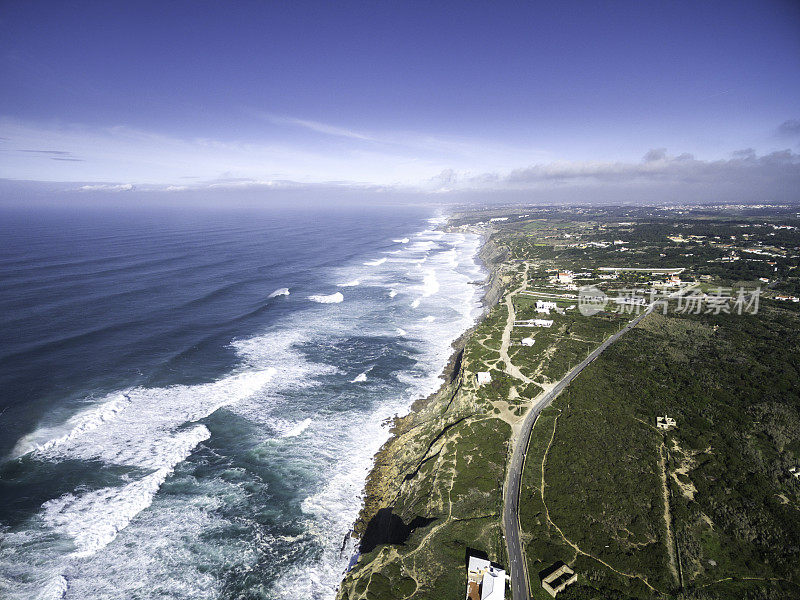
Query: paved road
{"type": "Point", "coordinates": [517, 564]}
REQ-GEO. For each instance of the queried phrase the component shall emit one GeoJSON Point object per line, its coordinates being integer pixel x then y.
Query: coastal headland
{"type": "Point", "coordinates": [700, 504]}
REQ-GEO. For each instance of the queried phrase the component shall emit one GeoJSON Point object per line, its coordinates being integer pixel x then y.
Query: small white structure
{"type": "Point", "coordinates": [665, 422]}
{"type": "Point", "coordinates": [543, 306]}
{"type": "Point", "coordinates": [534, 323]}
{"type": "Point", "coordinates": [483, 377]}
{"type": "Point", "coordinates": [795, 471]}
{"type": "Point", "coordinates": [564, 277]}
{"type": "Point", "coordinates": [485, 581]}
{"type": "Point", "coordinates": [528, 341]}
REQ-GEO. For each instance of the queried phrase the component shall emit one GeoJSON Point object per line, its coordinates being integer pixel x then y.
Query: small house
{"type": "Point", "coordinates": [564, 277]}
{"type": "Point", "coordinates": [483, 377]}
{"type": "Point", "coordinates": [665, 422]}
{"type": "Point", "coordinates": [485, 581]}
{"type": "Point", "coordinates": [543, 306]}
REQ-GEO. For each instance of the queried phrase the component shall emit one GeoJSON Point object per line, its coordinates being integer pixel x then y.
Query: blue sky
{"type": "Point", "coordinates": [195, 93]}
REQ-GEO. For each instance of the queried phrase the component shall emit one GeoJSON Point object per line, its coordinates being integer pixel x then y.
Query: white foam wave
{"type": "Point", "coordinates": [401, 332]}
{"type": "Point", "coordinates": [94, 519]}
{"type": "Point", "coordinates": [401, 241]}
{"type": "Point", "coordinates": [330, 299]}
{"type": "Point", "coordinates": [141, 434]}
{"type": "Point", "coordinates": [279, 292]}
{"type": "Point", "coordinates": [392, 293]}
{"type": "Point", "coordinates": [415, 303]}
{"type": "Point", "coordinates": [297, 429]}
{"type": "Point", "coordinates": [77, 426]}
{"type": "Point", "coordinates": [351, 283]}
{"type": "Point", "coordinates": [375, 263]}
{"type": "Point", "coordinates": [360, 378]}
{"type": "Point", "coordinates": [429, 319]}
{"type": "Point", "coordinates": [55, 589]}
{"type": "Point", "coordinates": [430, 284]}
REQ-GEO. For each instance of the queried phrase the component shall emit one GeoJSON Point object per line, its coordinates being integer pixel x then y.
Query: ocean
{"type": "Point", "coordinates": [190, 400]}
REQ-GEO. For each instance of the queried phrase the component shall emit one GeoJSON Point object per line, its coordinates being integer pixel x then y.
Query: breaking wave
{"type": "Point", "coordinates": [331, 299]}
{"type": "Point", "coordinates": [279, 292]}
{"type": "Point", "coordinates": [297, 429]}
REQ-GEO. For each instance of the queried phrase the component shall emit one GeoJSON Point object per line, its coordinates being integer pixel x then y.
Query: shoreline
{"type": "Point", "coordinates": [378, 489]}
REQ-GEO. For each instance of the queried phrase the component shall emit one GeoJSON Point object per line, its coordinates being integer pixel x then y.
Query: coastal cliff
{"type": "Point", "coordinates": [436, 485]}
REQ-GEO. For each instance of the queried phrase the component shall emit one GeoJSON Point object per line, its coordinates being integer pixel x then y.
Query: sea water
{"type": "Point", "coordinates": [190, 400]}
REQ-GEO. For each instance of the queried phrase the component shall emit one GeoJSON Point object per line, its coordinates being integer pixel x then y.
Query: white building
{"type": "Point", "coordinates": [485, 581]}
{"type": "Point", "coordinates": [483, 377]}
{"type": "Point", "coordinates": [534, 323]}
{"type": "Point", "coordinates": [528, 341]}
{"type": "Point", "coordinates": [543, 306]}
{"type": "Point", "coordinates": [665, 422]}
{"type": "Point", "coordinates": [564, 277]}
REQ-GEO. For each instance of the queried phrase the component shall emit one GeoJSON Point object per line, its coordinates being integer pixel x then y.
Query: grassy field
{"type": "Point", "coordinates": [731, 506]}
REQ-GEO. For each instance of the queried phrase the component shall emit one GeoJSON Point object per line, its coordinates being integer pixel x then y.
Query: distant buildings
{"type": "Point", "coordinates": [665, 422]}
{"type": "Point", "coordinates": [528, 341]}
{"type": "Point", "coordinates": [483, 377]}
{"type": "Point", "coordinates": [656, 271]}
{"type": "Point", "coordinates": [484, 580]}
{"type": "Point", "coordinates": [557, 578]}
{"type": "Point", "coordinates": [784, 298]}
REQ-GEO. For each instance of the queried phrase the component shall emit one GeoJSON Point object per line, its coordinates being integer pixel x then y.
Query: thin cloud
{"type": "Point", "coordinates": [109, 187]}
{"type": "Point", "coordinates": [318, 127]}
{"type": "Point", "coordinates": [67, 159]}
{"type": "Point", "coordinates": [59, 152]}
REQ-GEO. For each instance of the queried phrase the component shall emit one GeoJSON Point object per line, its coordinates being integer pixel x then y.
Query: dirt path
{"type": "Point", "coordinates": [505, 341]}
{"type": "Point", "coordinates": [669, 540]}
